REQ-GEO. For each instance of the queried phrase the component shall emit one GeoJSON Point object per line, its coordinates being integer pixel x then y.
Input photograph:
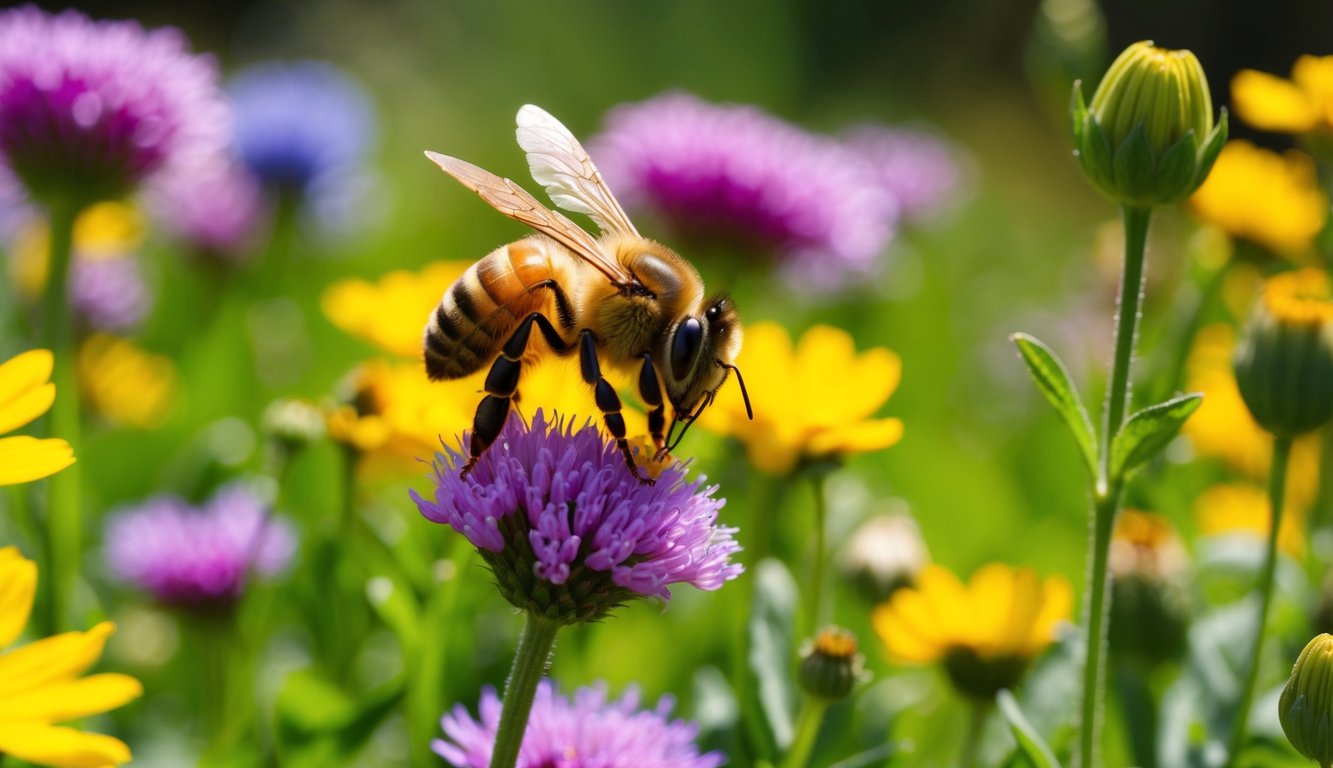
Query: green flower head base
{"type": "Point", "coordinates": [1306, 706]}
{"type": "Point", "coordinates": [1148, 138]}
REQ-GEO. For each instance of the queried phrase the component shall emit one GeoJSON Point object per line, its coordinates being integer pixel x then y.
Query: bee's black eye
{"type": "Point", "coordinates": [685, 347]}
{"type": "Point", "coordinates": [714, 312]}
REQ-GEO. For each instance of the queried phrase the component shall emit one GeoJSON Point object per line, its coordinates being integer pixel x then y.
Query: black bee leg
{"type": "Point", "coordinates": [607, 399]}
{"type": "Point", "coordinates": [650, 390]}
{"type": "Point", "coordinates": [502, 384]}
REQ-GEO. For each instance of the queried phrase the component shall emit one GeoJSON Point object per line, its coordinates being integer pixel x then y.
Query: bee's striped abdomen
{"type": "Point", "coordinates": [481, 309]}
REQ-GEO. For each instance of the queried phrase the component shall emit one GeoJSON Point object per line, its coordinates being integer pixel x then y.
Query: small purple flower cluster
{"type": "Point", "coordinates": [555, 506]}
{"type": "Point", "coordinates": [198, 557]}
{"type": "Point", "coordinates": [587, 731]}
{"type": "Point", "coordinates": [823, 208]}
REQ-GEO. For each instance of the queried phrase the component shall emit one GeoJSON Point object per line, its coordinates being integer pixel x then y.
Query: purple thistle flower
{"type": "Point", "coordinates": [300, 123]}
{"type": "Point", "coordinates": [90, 109]}
{"type": "Point", "coordinates": [917, 168]}
{"type": "Point", "coordinates": [198, 557]}
{"type": "Point", "coordinates": [586, 731]}
{"type": "Point", "coordinates": [569, 532]}
{"type": "Point", "coordinates": [733, 172]}
{"type": "Point", "coordinates": [219, 212]}
{"type": "Point", "coordinates": [109, 293]}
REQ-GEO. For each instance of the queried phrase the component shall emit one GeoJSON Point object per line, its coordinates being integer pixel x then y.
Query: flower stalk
{"type": "Point", "coordinates": [63, 512]}
{"type": "Point", "coordinates": [530, 662]}
{"type": "Point", "coordinates": [808, 723]}
{"type": "Point", "coordinates": [1106, 496]}
{"type": "Point", "coordinates": [813, 597]}
{"type": "Point", "coordinates": [1277, 484]}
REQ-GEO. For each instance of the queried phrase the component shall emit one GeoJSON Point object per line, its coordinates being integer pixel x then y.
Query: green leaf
{"type": "Point", "coordinates": [1053, 380]}
{"type": "Point", "coordinates": [1148, 431]}
{"type": "Point", "coordinates": [1030, 742]}
{"type": "Point", "coordinates": [772, 655]}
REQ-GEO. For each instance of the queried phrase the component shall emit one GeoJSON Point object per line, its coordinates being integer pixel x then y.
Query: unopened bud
{"type": "Point", "coordinates": [884, 554]}
{"type": "Point", "coordinates": [830, 665]}
{"type": "Point", "coordinates": [1149, 621]}
{"type": "Point", "coordinates": [1284, 362]}
{"type": "Point", "coordinates": [1306, 705]}
{"type": "Point", "coordinates": [1148, 137]}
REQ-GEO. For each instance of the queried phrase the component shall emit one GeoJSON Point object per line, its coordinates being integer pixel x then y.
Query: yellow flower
{"type": "Point", "coordinates": [1273, 200]}
{"type": "Point", "coordinates": [1223, 428]}
{"type": "Point", "coordinates": [392, 312]}
{"type": "Point", "coordinates": [108, 230]}
{"type": "Point", "coordinates": [26, 392]}
{"type": "Point", "coordinates": [1303, 104]}
{"type": "Point", "coordinates": [1145, 544]}
{"type": "Point", "coordinates": [398, 415]}
{"type": "Point", "coordinates": [1243, 509]}
{"type": "Point", "coordinates": [985, 632]}
{"type": "Point", "coordinates": [810, 402]}
{"type": "Point", "coordinates": [40, 683]}
{"type": "Point", "coordinates": [125, 384]}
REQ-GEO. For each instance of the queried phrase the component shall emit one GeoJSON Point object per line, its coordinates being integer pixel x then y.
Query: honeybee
{"type": "Point", "coordinates": [617, 299]}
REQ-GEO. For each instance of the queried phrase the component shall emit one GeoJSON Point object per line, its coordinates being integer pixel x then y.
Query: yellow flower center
{"type": "Point", "coordinates": [1301, 297]}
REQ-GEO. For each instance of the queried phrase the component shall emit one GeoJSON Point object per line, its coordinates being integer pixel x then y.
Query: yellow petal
{"type": "Point", "coordinates": [72, 699]}
{"type": "Point", "coordinates": [903, 637]}
{"type": "Point", "coordinates": [1057, 606]}
{"type": "Point", "coordinates": [19, 377]}
{"type": "Point", "coordinates": [857, 438]}
{"type": "Point", "coordinates": [18, 584]}
{"type": "Point", "coordinates": [51, 745]}
{"type": "Point", "coordinates": [51, 660]}
{"type": "Point", "coordinates": [24, 459]}
{"type": "Point", "coordinates": [990, 599]}
{"type": "Point", "coordinates": [1271, 103]}
{"type": "Point", "coordinates": [1314, 75]}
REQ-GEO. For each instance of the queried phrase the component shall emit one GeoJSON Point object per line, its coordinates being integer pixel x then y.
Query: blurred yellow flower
{"type": "Point", "coordinates": [106, 230]}
{"type": "Point", "coordinates": [1145, 544]}
{"type": "Point", "coordinates": [26, 392]}
{"type": "Point", "coordinates": [1244, 509]}
{"type": "Point", "coordinates": [126, 385]}
{"type": "Point", "coordinates": [392, 312]}
{"type": "Point", "coordinates": [985, 632]}
{"type": "Point", "coordinates": [813, 401]}
{"type": "Point", "coordinates": [1258, 195]}
{"type": "Point", "coordinates": [1303, 104]}
{"type": "Point", "coordinates": [1222, 427]}
{"type": "Point", "coordinates": [397, 415]}
{"type": "Point", "coordinates": [41, 683]}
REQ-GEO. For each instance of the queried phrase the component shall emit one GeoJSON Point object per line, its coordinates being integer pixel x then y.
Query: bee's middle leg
{"type": "Point", "coordinates": [608, 402]}
{"type": "Point", "coordinates": [650, 390]}
{"type": "Point", "coordinates": [502, 384]}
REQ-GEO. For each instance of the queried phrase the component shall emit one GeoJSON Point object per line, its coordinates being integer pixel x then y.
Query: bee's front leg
{"type": "Point", "coordinates": [650, 390]}
{"type": "Point", "coordinates": [607, 399]}
{"type": "Point", "coordinates": [502, 385]}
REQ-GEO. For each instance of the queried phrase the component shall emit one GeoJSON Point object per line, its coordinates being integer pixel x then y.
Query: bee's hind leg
{"type": "Point", "coordinates": [650, 390]}
{"type": "Point", "coordinates": [502, 385]}
{"type": "Point", "coordinates": [608, 402]}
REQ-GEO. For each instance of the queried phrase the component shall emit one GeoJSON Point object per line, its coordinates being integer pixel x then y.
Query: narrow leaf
{"type": "Point", "coordinates": [772, 648]}
{"type": "Point", "coordinates": [1030, 743]}
{"type": "Point", "coordinates": [1148, 431]}
{"type": "Point", "coordinates": [1053, 380]}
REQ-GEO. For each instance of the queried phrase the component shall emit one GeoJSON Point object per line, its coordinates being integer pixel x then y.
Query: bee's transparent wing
{"type": "Point", "coordinates": [559, 163]}
{"type": "Point", "coordinates": [513, 201]}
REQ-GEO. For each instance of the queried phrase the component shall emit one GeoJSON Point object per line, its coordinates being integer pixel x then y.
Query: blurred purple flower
{"type": "Point", "coordinates": [569, 532]}
{"type": "Point", "coordinates": [219, 212]}
{"type": "Point", "coordinates": [917, 168]}
{"type": "Point", "coordinates": [586, 731]}
{"type": "Point", "coordinates": [198, 557]}
{"type": "Point", "coordinates": [109, 293]}
{"type": "Point", "coordinates": [736, 173]}
{"type": "Point", "coordinates": [299, 123]}
{"type": "Point", "coordinates": [90, 109]}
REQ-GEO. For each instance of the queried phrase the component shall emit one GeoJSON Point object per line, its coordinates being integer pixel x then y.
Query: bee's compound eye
{"type": "Point", "coordinates": [685, 347]}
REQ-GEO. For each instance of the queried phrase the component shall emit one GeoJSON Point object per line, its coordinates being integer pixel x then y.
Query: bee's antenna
{"type": "Point", "coordinates": [749, 412]}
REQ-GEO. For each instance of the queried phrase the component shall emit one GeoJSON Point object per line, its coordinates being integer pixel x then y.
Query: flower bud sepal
{"type": "Point", "coordinates": [1133, 173]}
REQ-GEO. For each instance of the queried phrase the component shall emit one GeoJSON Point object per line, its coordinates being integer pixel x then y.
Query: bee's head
{"type": "Point", "coordinates": [699, 352]}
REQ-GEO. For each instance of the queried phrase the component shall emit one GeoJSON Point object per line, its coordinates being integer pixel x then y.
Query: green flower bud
{"type": "Point", "coordinates": [830, 665]}
{"type": "Point", "coordinates": [1306, 705]}
{"type": "Point", "coordinates": [1150, 610]}
{"type": "Point", "coordinates": [1284, 362]}
{"type": "Point", "coordinates": [1148, 137]}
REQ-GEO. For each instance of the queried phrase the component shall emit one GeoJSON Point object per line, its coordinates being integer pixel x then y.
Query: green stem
{"type": "Point", "coordinates": [814, 595]}
{"type": "Point", "coordinates": [1139, 707]}
{"type": "Point", "coordinates": [1106, 496]}
{"type": "Point", "coordinates": [807, 730]}
{"type": "Point", "coordinates": [530, 660]}
{"type": "Point", "coordinates": [1277, 483]}
{"type": "Point", "coordinates": [976, 726]}
{"type": "Point", "coordinates": [63, 511]}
